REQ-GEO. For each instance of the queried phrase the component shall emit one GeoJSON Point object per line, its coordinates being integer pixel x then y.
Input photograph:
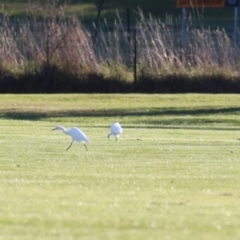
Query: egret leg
{"type": "Point", "coordinates": [85, 147]}
{"type": "Point", "coordinates": [69, 146]}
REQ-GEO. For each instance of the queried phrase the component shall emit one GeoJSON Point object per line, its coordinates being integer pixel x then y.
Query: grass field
{"type": "Point", "coordinates": [173, 174]}
{"type": "Point", "coordinates": [86, 11]}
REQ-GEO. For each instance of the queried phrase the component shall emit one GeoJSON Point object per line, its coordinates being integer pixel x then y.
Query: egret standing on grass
{"type": "Point", "coordinates": [115, 130]}
{"type": "Point", "coordinates": [76, 134]}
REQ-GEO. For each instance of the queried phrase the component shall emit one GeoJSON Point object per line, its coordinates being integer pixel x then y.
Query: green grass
{"type": "Point", "coordinates": [86, 10]}
{"type": "Point", "coordinates": [173, 174]}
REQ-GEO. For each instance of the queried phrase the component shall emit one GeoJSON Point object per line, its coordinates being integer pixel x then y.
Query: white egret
{"type": "Point", "coordinates": [115, 130]}
{"type": "Point", "coordinates": [76, 134]}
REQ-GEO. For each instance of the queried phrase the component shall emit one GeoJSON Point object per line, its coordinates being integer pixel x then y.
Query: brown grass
{"type": "Point", "coordinates": [55, 44]}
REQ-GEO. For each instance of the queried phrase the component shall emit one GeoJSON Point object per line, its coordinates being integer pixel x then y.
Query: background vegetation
{"type": "Point", "coordinates": [45, 48]}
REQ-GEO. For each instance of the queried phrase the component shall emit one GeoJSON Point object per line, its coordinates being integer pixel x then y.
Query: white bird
{"type": "Point", "coordinates": [76, 134]}
{"type": "Point", "coordinates": [115, 130]}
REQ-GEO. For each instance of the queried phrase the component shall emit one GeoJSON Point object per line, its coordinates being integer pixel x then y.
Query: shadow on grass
{"type": "Point", "coordinates": [187, 113]}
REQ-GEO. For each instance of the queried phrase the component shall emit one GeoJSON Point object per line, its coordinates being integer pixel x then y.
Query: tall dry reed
{"type": "Point", "coordinates": [64, 42]}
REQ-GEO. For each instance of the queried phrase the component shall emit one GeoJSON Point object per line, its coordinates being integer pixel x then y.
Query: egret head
{"type": "Point", "coordinates": [109, 134]}
{"type": "Point", "coordinates": [58, 128]}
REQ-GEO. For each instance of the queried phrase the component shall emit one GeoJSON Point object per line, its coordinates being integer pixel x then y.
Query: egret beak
{"type": "Point", "coordinates": [53, 129]}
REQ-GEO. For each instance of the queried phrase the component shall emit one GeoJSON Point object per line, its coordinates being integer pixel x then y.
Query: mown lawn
{"type": "Point", "coordinates": [173, 174]}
